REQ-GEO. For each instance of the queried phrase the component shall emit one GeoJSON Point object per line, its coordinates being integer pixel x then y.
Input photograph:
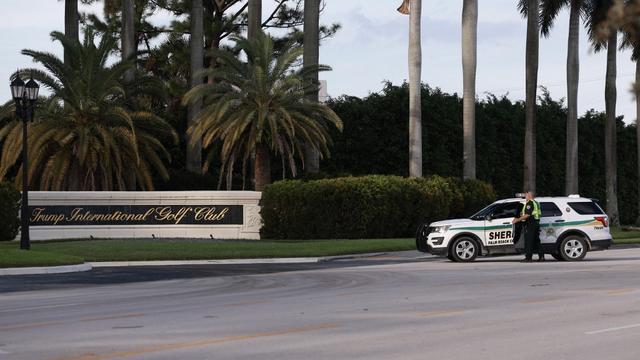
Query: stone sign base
{"type": "Point", "coordinates": [145, 214]}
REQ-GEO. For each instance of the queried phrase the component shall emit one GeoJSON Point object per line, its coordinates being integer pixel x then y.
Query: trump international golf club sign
{"type": "Point", "coordinates": [189, 214]}
{"type": "Point", "coordinates": [135, 214]}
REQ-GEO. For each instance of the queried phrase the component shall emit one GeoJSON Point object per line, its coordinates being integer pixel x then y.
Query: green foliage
{"type": "Point", "coordinates": [183, 180]}
{"type": "Point", "coordinates": [477, 194]}
{"type": "Point", "coordinates": [104, 137]}
{"type": "Point", "coordinates": [358, 207]}
{"type": "Point", "coordinates": [375, 140]}
{"type": "Point", "coordinates": [260, 101]}
{"type": "Point", "coordinates": [9, 208]}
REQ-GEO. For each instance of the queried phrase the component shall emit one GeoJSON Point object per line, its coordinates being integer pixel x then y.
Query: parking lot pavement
{"type": "Point", "coordinates": [494, 308]}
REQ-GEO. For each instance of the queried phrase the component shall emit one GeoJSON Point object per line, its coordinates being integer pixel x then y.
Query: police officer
{"type": "Point", "coordinates": [530, 216]}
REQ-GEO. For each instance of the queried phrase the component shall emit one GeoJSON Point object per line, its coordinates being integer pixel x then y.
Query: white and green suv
{"type": "Point", "coordinates": [569, 227]}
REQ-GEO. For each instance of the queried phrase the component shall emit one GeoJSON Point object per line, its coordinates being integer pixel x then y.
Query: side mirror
{"type": "Point", "coordinates": [488, 217]}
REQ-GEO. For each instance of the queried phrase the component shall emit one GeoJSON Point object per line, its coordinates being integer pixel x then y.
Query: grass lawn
{"type": "Point", "coordinates": [624, 236]}
{"type": "Point", "coordinates": [160, 249]}
{"type": "Point", "coordinates": [11, 256]}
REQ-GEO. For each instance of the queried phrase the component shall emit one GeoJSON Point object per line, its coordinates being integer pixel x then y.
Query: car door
{"type": "Point", "coordinates": [551, 222]}
{"type": "Point", "coordinates": [498, 229]}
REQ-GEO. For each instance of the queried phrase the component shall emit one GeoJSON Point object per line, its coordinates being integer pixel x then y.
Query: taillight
{"type": "Point", "coordinates": [603, 220]}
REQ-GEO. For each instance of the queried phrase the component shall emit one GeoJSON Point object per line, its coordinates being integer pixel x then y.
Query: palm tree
{"type": "Point", "coordinates": [414, 9]}
{"type": "Point", "coordinates": [71, 26]}
{"type": "Point", "coordinates": [469, 52]}
{"type": "Point", "coordinates": [598, 29]}
{"type": "Point", "coordinates": [527, 8]}
{"type": "Point", "coordinates": [196, 44]}
{"type": "Point", "coordinates": [259, 106]}
{"type": "Point", "coordinates": [311, 58]}
{"type": "Point", "coordinates": [549, 12]}
{"type": "Point", "coordinates": [128, 38]}
{"type": "Point", "coordinates": [255, 17]}
{"type": "Point", "coordinates": [632, 42]}
{"type": "Point", "coordinates": [94, 141]}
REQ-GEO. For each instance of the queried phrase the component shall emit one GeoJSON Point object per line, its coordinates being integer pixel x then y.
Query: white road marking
{"type": "Point", "coordinates": [4, 352]}
{"type": "Point", "coordinates": [612, 329]}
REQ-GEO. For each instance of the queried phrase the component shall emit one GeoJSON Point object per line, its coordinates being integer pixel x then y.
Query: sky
{"type": "Point", "coordinates": [371, 48]}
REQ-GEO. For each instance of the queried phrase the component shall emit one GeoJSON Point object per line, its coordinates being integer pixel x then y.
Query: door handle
{"type": "Point", "coordinates": [506, 223]}
{"type": "Point", "coordinates": [559, 221]}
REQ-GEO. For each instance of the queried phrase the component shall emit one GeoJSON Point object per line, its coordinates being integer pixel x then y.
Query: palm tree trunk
{"type": "Point", "coordinates": [610, 131]}
{"type": "Point", "coordinates": [415, 106]}
{"type": "Point", "coordinates": [311, 57]}
{"type": "Point", "coordinates": [128, 41]}
{"type": "Point", "coordinates": [573, 77]}
{"type": "Point", "coordinates": [255, 17]}
{"type": "Point", "coordinates": [533, 36]}
{"type": "Point", "coordinates": [262, 167]}
{"type": "Point", "coordinates": [71, 27]}
{"type": "Point", "coordinates": [638, 130]}
{"type": "Point", "coordinates": [469, 51]}
{"type": "Point", "coordinates": [128, 47]}
{"type": "Point", "coordinates": [196, 44]}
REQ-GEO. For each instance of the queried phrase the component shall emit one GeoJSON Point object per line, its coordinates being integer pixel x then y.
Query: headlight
{"type": "Point", "coordinates": [441, 229]}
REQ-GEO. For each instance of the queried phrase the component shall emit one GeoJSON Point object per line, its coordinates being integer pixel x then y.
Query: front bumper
{"type": "Point", "coordinates": [423, 245]}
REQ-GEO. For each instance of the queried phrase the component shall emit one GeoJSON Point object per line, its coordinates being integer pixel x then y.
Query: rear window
{"type": "Point", "coordinates": [550, 209]}
{"type": "Point", "coordinates": [586, 208]}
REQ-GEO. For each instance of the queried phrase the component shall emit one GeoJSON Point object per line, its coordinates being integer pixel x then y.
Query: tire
{"type": "Point", "coordinates": [464, 249]}
{"type": "Point", "coordinates": [557, 256]}
{"type": "Point", "coordinates": [421, 238]}
{"type": "Point", "coordinates": [450, 257]}
{"type": "Point", "coordinates": [573, 248]}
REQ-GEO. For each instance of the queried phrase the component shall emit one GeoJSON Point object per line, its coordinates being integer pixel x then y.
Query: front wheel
{"type": "Point", "coordinates": [573, 248]}
{"type": "Point", "coordinates": [464, 249]}
{"type": "Point", "coordinates": [557, 257]}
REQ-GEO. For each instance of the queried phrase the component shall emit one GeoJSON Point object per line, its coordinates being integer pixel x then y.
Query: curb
{"type": "Point", "coordinates": [624, 246]}
{"type": "Point", "coordinates": [300, 260]}
{"type": "Point", "coordinates": [46, 270]}
{"type": "Point", "coordinates": [104, 264]}
{"type": "Point", "coordinates": [206, 262]}
{"type": "Point", "coordinates": [350, 257]}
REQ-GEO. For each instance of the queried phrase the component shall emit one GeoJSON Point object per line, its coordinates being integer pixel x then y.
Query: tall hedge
{"type": "Point", "coordinates": [373, 206]}
{"type": "Point", "coordinates": [375, 141]}
{"type": "Point", "coordinates": [9, 209]}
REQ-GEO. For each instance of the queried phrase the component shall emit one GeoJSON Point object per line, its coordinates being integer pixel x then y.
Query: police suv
{"type": "Point", "coordinates": [569, 227]}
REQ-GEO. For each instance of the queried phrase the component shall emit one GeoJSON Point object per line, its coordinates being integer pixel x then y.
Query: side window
{"type": "Point", "coordinates": [550, 209]}
{"type": "Point", "coordinates": [508, 210]}
{"type": "Point", "coordinates": [586, 208]}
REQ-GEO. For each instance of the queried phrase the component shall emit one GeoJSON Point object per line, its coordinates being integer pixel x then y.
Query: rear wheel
{"type": "Point", "coordinates": [557, 257]}
{"type": "Point", "coordinates": [464, 249]}
{"type": "Point", "coordinates": [573, 248]}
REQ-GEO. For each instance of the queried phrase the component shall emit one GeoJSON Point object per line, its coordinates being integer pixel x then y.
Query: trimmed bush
{"type": "Point", "coordinates": [372, 206]}
{"type": "Point", "coordinates": [477, 194]}
{"type": "Point", "coordinates": [9, 209]}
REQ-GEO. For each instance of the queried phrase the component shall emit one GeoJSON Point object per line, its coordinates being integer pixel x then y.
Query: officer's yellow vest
{"type": "Point", "coordinates": [536, 209]}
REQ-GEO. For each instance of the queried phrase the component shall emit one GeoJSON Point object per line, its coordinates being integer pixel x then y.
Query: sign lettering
{"type": "Point", "coordinates": [60, 215]}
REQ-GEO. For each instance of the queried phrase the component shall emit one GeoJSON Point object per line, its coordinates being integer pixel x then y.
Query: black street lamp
{"type": "Point", "coordinates": [24, 96]}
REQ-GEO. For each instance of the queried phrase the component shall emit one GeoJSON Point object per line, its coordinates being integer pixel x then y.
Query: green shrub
{"type": "Point", "coordinates": [372, 206]}
{"type": "Point", "coordinates": [477, 194]}
{"type": "Point", "coordinates": [9, 209]}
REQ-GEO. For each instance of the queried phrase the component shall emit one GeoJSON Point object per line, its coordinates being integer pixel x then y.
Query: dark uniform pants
{"type": "Point", "coordinates": [532, 240]}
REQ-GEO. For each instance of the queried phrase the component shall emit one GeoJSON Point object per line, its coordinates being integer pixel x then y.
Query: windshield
{"type": "Point", "coordinates": [480, 215]}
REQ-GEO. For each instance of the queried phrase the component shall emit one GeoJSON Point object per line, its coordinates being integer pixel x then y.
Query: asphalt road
{"type": "Point", "coordinates": [384, 308]}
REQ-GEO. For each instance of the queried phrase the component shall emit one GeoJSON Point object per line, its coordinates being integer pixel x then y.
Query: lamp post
{"type": "Point", "coordinates": [24, 97]}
